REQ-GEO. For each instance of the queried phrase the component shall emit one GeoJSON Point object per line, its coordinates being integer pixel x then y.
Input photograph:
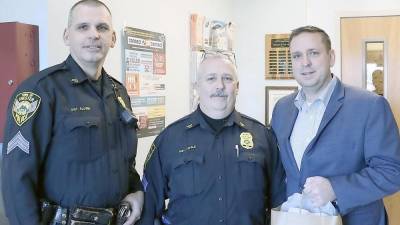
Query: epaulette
{"type": "Point", "coordinates": [251, 119]}
{"type": "Point", "coordinates": [180, 121]}
{"type": "Point", "coordinates": [36, 77]}
{"type": "Point", "coordinates": [115, 80]}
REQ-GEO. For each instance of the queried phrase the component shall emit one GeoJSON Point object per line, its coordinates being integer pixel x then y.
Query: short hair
{"type": "Point", "coordinates": [217, 56]}
{"type": "Point", "coordinates": [86, 2]}
{"type": "Point", "coordinates": [311, 29]}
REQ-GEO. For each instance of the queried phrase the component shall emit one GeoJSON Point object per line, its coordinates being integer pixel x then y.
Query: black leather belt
{"type": "Point", "coordinates": [57, 215]}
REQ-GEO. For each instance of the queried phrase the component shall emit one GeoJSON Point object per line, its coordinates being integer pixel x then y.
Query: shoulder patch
{"type": "Point", "coordinates": [25, 106]}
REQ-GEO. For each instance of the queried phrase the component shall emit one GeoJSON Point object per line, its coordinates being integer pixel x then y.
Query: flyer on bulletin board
{"type": "Point", "coordinates": [145, 71]}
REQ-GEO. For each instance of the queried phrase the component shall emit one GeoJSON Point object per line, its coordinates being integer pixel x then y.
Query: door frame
{"type": "Point", "coordinates": [337, 34]}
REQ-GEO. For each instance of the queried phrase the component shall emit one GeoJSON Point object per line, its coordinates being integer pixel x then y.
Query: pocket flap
{"type": "Point", "coordinates": [74, 122]}
{"type": "Point", "coordinates": [251, 157]}
{"type": "Point", "coordinates": [187, 158]}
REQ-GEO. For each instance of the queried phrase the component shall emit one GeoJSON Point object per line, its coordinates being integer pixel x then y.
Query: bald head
{"type": "Point", "coordinates": [95, 3]}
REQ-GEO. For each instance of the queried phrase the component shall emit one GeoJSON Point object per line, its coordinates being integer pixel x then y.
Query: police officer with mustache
{"type": "Point", "coordinates": [215, 165]}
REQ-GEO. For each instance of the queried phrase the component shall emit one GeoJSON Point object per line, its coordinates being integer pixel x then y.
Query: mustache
{"type": "Point", "coordinates": [219, 93]}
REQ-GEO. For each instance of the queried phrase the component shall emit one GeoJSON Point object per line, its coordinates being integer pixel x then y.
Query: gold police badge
{"type": "Point", "coordinates": [25, 106]}
{"type": "Point", "coordinates": [246, 140]}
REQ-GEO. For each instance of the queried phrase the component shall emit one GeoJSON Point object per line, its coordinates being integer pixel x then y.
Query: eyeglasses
{"type": "Point", "coordinates": [223, 54]}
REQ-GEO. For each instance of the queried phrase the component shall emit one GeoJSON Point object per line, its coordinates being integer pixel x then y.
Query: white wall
{"type": "Point", "coordinates": [30, 12]}
{"type": "Point", "coordinates": [256, 18]}
{"type": "Point", "coordinates": [168, 17]}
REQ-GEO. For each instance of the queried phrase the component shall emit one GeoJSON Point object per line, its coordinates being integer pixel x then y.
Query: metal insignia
{"type": "Point", "coordinates": [151, 151]}
{"type": "Point", "coordinates": [25, 106]}
{"type": "Point", "coordinates": [18, 141]}
{"type": "Point", "coordinates": [246, 140]}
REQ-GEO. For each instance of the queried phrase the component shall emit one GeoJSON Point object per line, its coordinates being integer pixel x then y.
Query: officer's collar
{"type": "Point", "coordinates": [197, 119]}
{"type": "Point", "coordinates": [78, 75]}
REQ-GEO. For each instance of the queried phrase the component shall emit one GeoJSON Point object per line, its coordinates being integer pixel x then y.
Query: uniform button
{"type": "Point", "coordinates": [221, 220]}
{"type": "Point", "coordinates": [219, 155]}
{"type": "Point", "coordinates": [63, 222]}
{"type": "Point", "coordinates": [220, 198]}
{"type": "Point", "coordinates": [219, 177]}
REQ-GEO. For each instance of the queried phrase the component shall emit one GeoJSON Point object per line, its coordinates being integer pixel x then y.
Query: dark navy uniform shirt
{"type": "Point", "coordinates": [230, 177]}
{"type": "Point", "coordinates": [65, 142]}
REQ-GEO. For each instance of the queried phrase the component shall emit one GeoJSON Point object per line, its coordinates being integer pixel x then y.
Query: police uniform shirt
{"type": "Point", "coordinates": [230, 177]}
{"type": "Point", "coordinates": [64, 142]}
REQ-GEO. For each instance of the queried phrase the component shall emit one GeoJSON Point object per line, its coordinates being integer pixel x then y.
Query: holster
{"type": "Point", "coordinates": [57, 215]}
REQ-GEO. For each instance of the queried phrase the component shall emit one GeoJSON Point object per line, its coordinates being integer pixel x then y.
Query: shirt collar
{"type": "Point", "coordinates": [197, 119]}
{"type": "Point", "coordinates": [78, 76]}
{"type": "Point", "coordinates": [324, 96]}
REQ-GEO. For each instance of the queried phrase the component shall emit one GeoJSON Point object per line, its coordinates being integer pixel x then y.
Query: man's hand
{"type": "Point", "coordinates": [319, 190]}
{"type": "Point", "coordinates": [136, 202]}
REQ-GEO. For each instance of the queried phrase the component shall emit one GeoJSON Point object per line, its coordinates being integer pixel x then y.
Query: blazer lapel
{"type": "Point", "coordinates": [291, 116]}
{"type": "Point", "coordinates": [335, 103]}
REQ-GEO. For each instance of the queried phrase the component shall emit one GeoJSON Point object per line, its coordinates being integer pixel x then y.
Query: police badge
{"type": "Point", "coordinates": [246, 140]}
{"type": "Point", "coordinates": [25, 106]}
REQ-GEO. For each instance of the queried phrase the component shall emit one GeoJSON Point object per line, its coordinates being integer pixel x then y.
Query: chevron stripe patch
{"type": "Point", "coordinates": [18, 141]}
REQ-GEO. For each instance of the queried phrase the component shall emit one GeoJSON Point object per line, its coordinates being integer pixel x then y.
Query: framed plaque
{"type": "Point", "coordinates": [272, 95]}
{"type": "Point", "coordinates": [277, 57]}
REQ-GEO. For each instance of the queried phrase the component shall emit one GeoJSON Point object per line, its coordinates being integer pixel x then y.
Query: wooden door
{"type": "Point", "coordinates": [356, 32]}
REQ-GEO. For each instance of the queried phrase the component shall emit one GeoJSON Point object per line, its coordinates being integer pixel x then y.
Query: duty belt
{"type": "Point", "coordinates": [56, 215]}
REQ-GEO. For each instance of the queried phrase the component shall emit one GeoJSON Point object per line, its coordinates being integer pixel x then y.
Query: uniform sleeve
{"type": "Point", "coordinates": [381, 176]}
{"type": "Point", "coordinates": [154, 184]}
{"type": "Point", "coordinates": [276, 172]}
{"type": "Point", "coordinates": [134, 177]}
{"type": "Point", "coordinates": [26, 137]}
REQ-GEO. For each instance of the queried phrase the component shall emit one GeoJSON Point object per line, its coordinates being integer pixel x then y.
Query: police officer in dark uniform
{"type": "Point", "coordinates": [216, 165]}
{"type": "Point", "coordinates": [70, 139]}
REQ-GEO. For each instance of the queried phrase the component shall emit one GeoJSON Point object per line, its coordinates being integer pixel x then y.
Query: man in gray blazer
{"type": "Point", "coordinates": [338, 143]}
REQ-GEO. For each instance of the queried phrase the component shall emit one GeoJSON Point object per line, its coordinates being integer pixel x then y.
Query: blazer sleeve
{"type": "Point", "coordinates": [276, 172]}
{"type": "Point", "coordinates": [381, 176]}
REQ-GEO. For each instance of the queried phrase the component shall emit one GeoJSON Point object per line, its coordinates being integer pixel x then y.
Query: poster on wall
{"type": "Point", "coordinates": [210, 34]}
{"type": "Point", "coordinates": [278, 64]}
{"type": "Point", "coordinates": [145, 71]}
{"type": "Point", "coordinates": [207, 36]}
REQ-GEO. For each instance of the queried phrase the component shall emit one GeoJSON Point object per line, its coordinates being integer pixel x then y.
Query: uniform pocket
{"type": "Point", "coordinates": [83, 138]}
{"type": "Point", "coordinates": [252, 171]}
{"type": "Point", "coordinates": [185, 177]}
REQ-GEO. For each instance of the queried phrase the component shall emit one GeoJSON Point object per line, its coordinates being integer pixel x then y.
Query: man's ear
{"type": "Point", "coordinates": [332, 57]}
{"type": "Point", "coordinates": [66, 37]}
{"type": "Point", "coordinates": [114, 39]}
{"type": "Point", "coordinates": [237, 88]}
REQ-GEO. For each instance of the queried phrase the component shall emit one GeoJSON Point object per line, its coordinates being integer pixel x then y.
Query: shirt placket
{"type": "Point", "coordinates": [221, 178]}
